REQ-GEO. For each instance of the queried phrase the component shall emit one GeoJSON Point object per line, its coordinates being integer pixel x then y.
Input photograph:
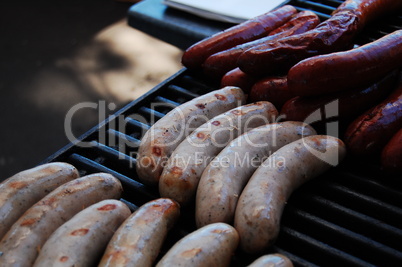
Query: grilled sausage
{"type": "Point", "coordinates": [368, 134]}
{"type": "Point", "coordinates": [272, 260]}
{"type": "Point", "coordinates": [225, 177]}
{"type": "Point", "coordinates": [348, 69]}
{"type": "Point", "coordinates": [82, 239]}
{"type": "Point", "coordinates": [218, 64]}
{"type": "Point", "coordinates": [163, 137]}
{"type": "Point", "coordinates": [391, 156]}
{"type": "Point", "coordinates": [238, 78]}
{"type": "Point", "coordinates": [247, 31]}
{"type": "Point", "coordinates": [211, 245]}
{"type": "Point", "coordinates": [272, 89]}
{"type": "Point", "coordinates": [19, 192]}
{"type": "Point", "coordinates": [260, 206]}
{"type": "Point", "coordinates": [138, 240]}
{"type": "Point", "coordinates": [334, 34]}
{"type": "Point", "coordinates": [180, 177]}
{"type": "Point", "coordinates": [350, 104]}
{"type": "Point", "coordinates": [20, 246]}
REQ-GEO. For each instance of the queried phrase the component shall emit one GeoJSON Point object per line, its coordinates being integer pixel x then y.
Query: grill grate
{"type": "Point", "coordinates": [348, 217]}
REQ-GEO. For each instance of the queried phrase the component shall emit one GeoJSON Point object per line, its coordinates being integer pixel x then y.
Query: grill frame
{"type": "Point", "coordinates": [354, 191]}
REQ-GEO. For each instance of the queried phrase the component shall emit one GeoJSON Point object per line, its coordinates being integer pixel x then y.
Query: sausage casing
{"type": "Point", "coordinates": [260, 206]}
{"type": "Point", "coordinates": [225, 177]}
{"type": "Point", "coordinates": [19, 192]}
{"type": "Point", "coordinates": [81, 240]}
{"type": "Point", "coordinates": [20, 246]}
{"type": "Point", "coordinates": [138, 240]}
{"type": "Point", "coordinates": [180, 177]}
{"type": "Point", "coordinates": [391, 156]}
{"type": "Point", "coordinates": [212, 245]}
{"type": "Point", "coordinates": [272, 260]}
{"type": "Point", "coordinates": [247, 31]}
{"type": "Point", "coordinates": [166, 134]}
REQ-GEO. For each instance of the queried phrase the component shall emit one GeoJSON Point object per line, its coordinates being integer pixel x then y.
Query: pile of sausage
{"type": "Point", "coordinates": [53, 217]}
{"type": "Point", "coordinates": [302, 65]}
{"type": "Point", "coordinates": [238, 167]}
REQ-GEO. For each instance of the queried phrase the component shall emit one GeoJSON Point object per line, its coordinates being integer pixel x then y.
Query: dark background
{"type": "Point", "coordinates": [38, 86]}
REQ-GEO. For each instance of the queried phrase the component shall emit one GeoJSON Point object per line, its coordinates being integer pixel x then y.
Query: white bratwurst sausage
{"type": "Point", "coordinates": [81, 241]}
{"type": "Point", "coordinates": [167, 133]}
{"type": "Point", "coordinates": [272, 260]}
{"type": "Point", "coordinates": [180, 177]}
{"type": "Point", "coordinates": [138, 240]}
{"type": "Point", "coordinates": [19, 192]}
{"type": "Point", "coordinates": [212, 245]}
{"type": "Point", "coordinates": [20, 246]}
{"type": "Point", "coordinates": [260, 206]}
{"type": "Point", "coordinates": [225, 177]}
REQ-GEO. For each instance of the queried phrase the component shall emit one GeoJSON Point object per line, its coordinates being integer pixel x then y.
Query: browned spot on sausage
{"type": "Point", "coordinates": [316, 140]}
{"type": "Point", "coordinates": [237, 112]}
{"type": "Point", "coordinates": [200, 106]}
{"type": "Point", "coordinates": [80, 232]}
{"type": "Point", "coordinates": [216, 123]}
{"type": "Point", "coordinates": [17, 185]}
{"type": "Point", "coordinates": [193, 171]}
{"type": "Point", "coordinates": [108, 207]}
{"type": "Point", "coordinates": [201, 135]}
{"type": "Point", "coordinates": [157, 151]}
{"type": "Point", "coordinates": [49, 201]}
{"type": "Point", "coordinates": [220, 97]}
{"type": "Point", "coordinates": [177, 170]}
{"type": "Point", "coordinates": [28, 222]}
{"type": "Point", "coordinates": [191, 253]}
{"type": "Point", "coordinates": [63, 258]}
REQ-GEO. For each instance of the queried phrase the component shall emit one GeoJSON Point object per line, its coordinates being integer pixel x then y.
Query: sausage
{"type": "Point", "coordinates": [247, 31]}
{"type": "Point", "coordinates": [138, 240]}
{"type": "Point", "coordinates": [218, 64]}
{"type": "Point", "coordinates": [349, 104]}
{"type": "Point", "coordinates": [19, 192]}
{"type": "Point", "coordinates": [368, 134]}
{"type": "Point", "coordinates": [82, 239]}
{"type": "Point", "coordinates": [272, 89]}
{"type": "Point", "coordinates": [391, 156]}
{"type": "Point", "coordinates": [211, 245]}
{"type": "Point", "coordinates": [334, 34]}
{"type": "Point", "coordinates": [225, 177]}
{"type": "Point", "coordinates": [345, 70]}
{"type": "Point", "coordinates": [19, 247]}
{"type": "Point", "coordinates": [260, 206]}
{"type": "Point", "coordinates": [238, 78]}
{"type": "Point", "coordinates": [163, 137]}
{"type": "Point", "coordinates": [180, 177]}
{"type": "Point", "coordinates": [272, 260]}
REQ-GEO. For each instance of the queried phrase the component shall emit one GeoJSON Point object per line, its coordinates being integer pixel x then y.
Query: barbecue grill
{"type": "Point", "coordinates": [350, 216]}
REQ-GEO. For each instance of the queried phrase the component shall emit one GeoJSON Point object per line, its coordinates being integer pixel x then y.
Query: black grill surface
{"type": "Point", "coordinates": [350, 216]}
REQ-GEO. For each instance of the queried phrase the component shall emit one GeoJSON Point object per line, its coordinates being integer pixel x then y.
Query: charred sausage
{"type": "Point", "coordinates": [138, 240]}
{"type": "Point", "coordinates": [391, 156]}
{"type": "Point", "coordinates": [20, 246]}
{"type": "Point", "coordinates": [334, 34]}
{"type": "Point", "coordinates": [81, 240]}
{"type": "Point", "coordinates": [368, 134]}
{"type": "Point", "coordinates": [180, 177]}
{"type": "Point", "coordinates": [272, 89]}
{"type": "Point", "coordinates": [350, 104]}
{"type": "Point", "coordinates": [218, 64]}
{"type": "Point", "coordinates": [348, 69]}
{"type": "Point", "coordinates": [247, 31]}
{"type": "Point", "coordinates": [167, 133]}
{"type": "Point", "coordinates": [225, 177]}
{"type": "Point", "coordinates": [260, 206]}
{"type": "Point", "coordinates": [238, 78]}
{"type": "Point", "coordinates": [212, 245]}
{"type": "Point", "coordinates": [19, 192]}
